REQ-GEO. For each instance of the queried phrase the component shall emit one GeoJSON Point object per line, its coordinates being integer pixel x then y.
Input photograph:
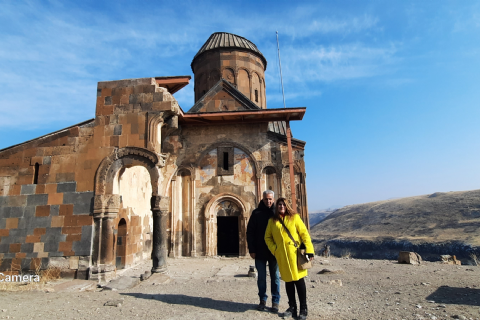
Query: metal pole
{"type": "Point", "coordinates": [281, 77]}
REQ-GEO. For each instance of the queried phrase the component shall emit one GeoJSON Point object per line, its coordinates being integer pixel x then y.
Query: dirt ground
{"type": "Point", "coordinates": [210, 288]}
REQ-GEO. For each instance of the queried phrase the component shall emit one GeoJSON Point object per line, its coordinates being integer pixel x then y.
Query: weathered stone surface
{"type": "Point", "coordinates": [75, 286]}
{"type": "Point", "coordinates": [409, 257]}
{"type": "Point", "coordinates": [122, 283]}
{"type": "Point", "coordinates": [95, 179]}
{"type": "Point", "coordinates": [66, 187]}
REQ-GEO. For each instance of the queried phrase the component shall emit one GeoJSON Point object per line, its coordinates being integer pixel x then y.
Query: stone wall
{"type": "Point", "coordinates": [47, 185]}
{"type": "Point", "coordinates": [62, 197]}
{"type": "Point", "coordinates": [200, 149]}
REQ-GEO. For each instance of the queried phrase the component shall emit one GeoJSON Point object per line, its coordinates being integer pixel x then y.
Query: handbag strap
{"type": "Point", "coordinates": [289, 234]}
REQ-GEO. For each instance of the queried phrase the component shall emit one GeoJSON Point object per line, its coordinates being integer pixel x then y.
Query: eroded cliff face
{"type": "Point", "coordinates": [439, 223]}
{"type": "Point", "coordinates": [389, 249]}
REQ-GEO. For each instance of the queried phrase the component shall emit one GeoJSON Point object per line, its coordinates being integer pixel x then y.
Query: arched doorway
{"type": "Point", "coordinates": [107, 205]}
{"type": "Point", "coordinates": [133, 184]}
{"type": "Point", "coordinates": [225, 226]}
{"type": "Point", "coordinates": [182, 217]}
{"type": "Point", "coordinates": [228, 223]}
{"type": "Point", "coordinates": [121, 248]}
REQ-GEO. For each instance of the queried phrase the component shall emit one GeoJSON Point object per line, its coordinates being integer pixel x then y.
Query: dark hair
{"type": "Point", "coordinates": [288, 209]}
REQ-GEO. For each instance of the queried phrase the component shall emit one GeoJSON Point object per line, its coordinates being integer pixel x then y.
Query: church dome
{"type": "Point", "coordinates": [224, 40]}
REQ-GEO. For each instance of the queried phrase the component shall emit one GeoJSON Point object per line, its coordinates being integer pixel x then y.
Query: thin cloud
{"type": "Point", "coordinates": [326, 64]}
{"type": "Point", "coordinates": [52, 55]}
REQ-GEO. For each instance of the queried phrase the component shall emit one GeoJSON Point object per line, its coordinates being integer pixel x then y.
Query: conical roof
{"type": "Point", "coordinates": [219, 40]}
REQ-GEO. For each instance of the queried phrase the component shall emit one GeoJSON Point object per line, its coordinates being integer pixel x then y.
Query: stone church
{"type": "Point", "coordinates": [146, 179]}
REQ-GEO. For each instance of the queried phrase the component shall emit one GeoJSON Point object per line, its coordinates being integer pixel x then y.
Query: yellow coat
{"type": "Point", "coordinates": [282, 247]}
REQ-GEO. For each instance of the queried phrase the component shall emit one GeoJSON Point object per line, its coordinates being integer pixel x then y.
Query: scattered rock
{"type": "Point", "coordinates": [145, 276]}
{"type": "Point", "coordinates": [409, 257]}
{"type": "Point", "coordinates": [459, 316]}
{"type": "Point", "coordinates": [122, 283]}
{"type": "Point", "coordinates": [418, 306]}
{"type": "Point", "coordinates": [337, 282]}
{"type": "Point", "coordinates": [331, 271]}
{"type": "Point", "coordinates": [114, 303]}
{"type": "Point", "coordinates": [251, 272]}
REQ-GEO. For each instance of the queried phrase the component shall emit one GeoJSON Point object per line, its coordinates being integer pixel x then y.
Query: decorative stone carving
{"type": "Point", "coordinates": [211, 211]}
{"type": "Point", "coordinates": [102, 176]}
{"type": "Point", "coordinates": [105, 203]}
{"type": "Point", "coordinates": [155, 122]}
{"type": "Point", "coordinates": [160, 203]}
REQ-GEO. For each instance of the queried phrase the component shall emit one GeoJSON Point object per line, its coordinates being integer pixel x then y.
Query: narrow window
{"type": "Point", "coordinates": [225, 161]}
{"type": "Point", "coordinates": [256, 95]}
{"type": "Point", "coordinates": [35, 173]}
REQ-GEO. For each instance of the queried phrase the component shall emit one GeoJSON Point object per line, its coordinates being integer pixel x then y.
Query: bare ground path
{"type": "Point", "coordinates": [199, 288]}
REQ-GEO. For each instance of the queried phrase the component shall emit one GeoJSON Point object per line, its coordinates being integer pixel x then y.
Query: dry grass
{"type": "Point", "coordinates": [46, 276]}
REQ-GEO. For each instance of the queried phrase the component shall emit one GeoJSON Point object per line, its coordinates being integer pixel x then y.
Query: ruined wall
{"type": "Point", "coordinates": [135, 187]}
{"type": "Point", "coordinates": [47, 184]}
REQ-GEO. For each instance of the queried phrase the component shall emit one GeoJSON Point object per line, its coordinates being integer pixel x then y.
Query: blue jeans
{"type": "Point", "coordinates": [261, 266]}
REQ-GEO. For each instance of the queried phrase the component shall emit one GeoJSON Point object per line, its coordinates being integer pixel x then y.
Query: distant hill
{"type": "Point", "coordinates": [317, 217]}
{"type": "Point", "coordinates": [441, 217]}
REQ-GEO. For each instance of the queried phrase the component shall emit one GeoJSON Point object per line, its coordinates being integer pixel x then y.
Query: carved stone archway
{"type": "Point", "coordinates": [107, 205]}
{"type": "Point", "coordinates": [211, 223]}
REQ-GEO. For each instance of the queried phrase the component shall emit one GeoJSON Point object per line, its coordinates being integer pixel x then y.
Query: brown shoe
{"type": "Point", "coordinates": [274, 308]}
{"type": "Point", "coordinates": [262, 306]}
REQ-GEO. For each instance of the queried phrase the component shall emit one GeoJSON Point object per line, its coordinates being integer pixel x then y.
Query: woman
{"type": "Point", "coordinates": [284, 250]}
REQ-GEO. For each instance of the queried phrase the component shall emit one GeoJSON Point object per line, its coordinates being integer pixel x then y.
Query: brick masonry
{"type": "Point", "coordinates": [31, 228]}
{"type": "Point", "coordinates": [48, 185]}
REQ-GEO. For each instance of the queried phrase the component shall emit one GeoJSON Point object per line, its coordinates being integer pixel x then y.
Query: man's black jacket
{"type": "Point", "coordinates": [256, 232]}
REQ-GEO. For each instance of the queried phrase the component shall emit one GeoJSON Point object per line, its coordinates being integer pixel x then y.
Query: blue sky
{"type": "Point", "coordinates": [392, 88]}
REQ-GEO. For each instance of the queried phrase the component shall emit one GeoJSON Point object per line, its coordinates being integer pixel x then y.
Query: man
{"type": "Point", "coordinates": [259, 251]}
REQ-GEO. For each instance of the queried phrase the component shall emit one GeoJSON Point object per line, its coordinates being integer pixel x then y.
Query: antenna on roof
{"type": "Point", "coordinates": [280, 63]}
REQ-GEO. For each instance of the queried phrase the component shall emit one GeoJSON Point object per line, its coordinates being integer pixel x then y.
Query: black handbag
{"type": "Point", "coordinates": [303, 263]}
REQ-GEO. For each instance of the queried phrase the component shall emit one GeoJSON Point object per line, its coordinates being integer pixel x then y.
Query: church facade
{"type": "Point", "coordinates": [145, 179]}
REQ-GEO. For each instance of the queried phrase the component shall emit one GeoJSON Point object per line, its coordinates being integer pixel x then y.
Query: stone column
{"type": "Point", "coordinates": [160, 206]}
{"type": "Point", "coordinates": [193, 253]}
{"type": "Point", "coordinates": [105, 210]}
{"type": "Point", "coordinates": [173, 187]}
{"type": "Point", "coordinates": [108, 238]}
{"type": "Point", "coordinates": [259, 187]}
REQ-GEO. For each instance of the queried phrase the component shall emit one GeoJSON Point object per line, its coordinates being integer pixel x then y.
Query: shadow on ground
{"type": "Point", "coordinates": [454, 295]}
{"type": "Point", "coordinates": [207, 303]}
